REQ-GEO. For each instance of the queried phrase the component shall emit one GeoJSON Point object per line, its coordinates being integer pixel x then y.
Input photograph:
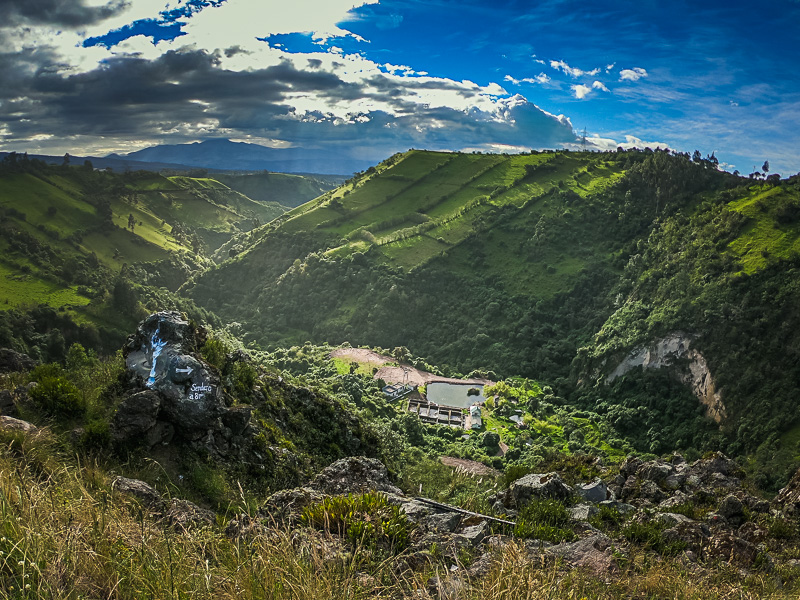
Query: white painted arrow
{"type": "Point", "coordinates": [187, 370]}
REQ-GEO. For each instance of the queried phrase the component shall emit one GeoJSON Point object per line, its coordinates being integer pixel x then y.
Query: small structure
{"type": "Point", "coordinates": [397, 390]}
{"type": "Point", "coordinates": [475, 416]}
{"type": "Point", "coordinates": [435, 414]}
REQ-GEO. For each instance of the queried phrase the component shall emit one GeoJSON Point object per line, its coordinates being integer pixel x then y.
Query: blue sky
{"type": "Point", "coordinates": [366, 79]}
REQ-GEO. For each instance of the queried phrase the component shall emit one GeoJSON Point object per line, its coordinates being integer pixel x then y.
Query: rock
{"type": "Point", "coordinates": [7, 405]}
{"type": "Point", "coordinates": [732, 509]}
{"type": "Point", "coordinates": [481, 566]}
{"type": "Point", "coordinates": [415, 511]}
{"type": "Point", "coordinates": [629, 467]}
{"type": "Point", "coordinates": [354, 475]}
{"type": "Point", "coordinates": [536, 486]}
{"type": "Point", "coordinates": [649, 490]}
{"type": "Point", "coordinates": [592, 553]}
{"type": "Point", "coordinates": [185, 515]}
{"type": "Point", "coordinates": [12, 361]}
{"type": "Point", "coordinates": [159, 353]}
{"type": "Point", "coordinates": [677, 499]}
{"type": "Point", "coordinates": [596, 491]}
{"type": "Point", "coordinates": [162, 433]}
{"type": "Point", "coordinates": [138, 489]}
{"type": "Point", "coordinates": [752, 533]}
{"type": "Point", "coordinates": [135, 416]}
{"type": "Point", "coordinates": [12, 424]}
{"type": "Point", "coordinates": [717, 463]}
{"type": "Point", "coordinates": [691, 533]}
{"type": "Point", "coordinates": [583, 512]}
{"type": "Point", "coordinates": [446, 522]}
{"type": "Point", "coordinates": [621, 507]}
{"type": "Point", "coordinates": [654, 471]}
{"type": "Point", "coordinates": [733, 549]}
{"type": "Point", "coordinates": [672, 519]}
{"type": "Point", "coordinates": [286, 506]}
{"type": "Point", "coordinates": [476, 533]}
{"type": "Point", "coordinates": [237, 419]}
{"type": "Point", "coordinates": [789, 495]}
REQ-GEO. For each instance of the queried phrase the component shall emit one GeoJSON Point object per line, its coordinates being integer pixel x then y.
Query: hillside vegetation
{"type": "Point", "coordinates": [554, 266]}
{"type": "Point", "coordinates": [83, 253]}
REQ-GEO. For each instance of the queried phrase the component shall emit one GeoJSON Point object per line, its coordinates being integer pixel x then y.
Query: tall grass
{"type": "Point", "coordinates": [65, 534]}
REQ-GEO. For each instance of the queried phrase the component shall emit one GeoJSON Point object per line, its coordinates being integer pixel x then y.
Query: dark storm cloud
{"type": "Point", "coordinates": [170, 98]}
{"type": "Point", "coordinates": [60, 13]}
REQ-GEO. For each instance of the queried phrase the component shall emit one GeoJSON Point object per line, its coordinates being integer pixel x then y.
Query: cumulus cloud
{"type": "Point", "coordinates": [223, 81]}
{"type": "Point", "coordinates": [599, 85]}
{"type": "Point", "coordinates": [581, 91]}
{"type": "Point", "coordinates": [631, 141]}
{"type": "Point", "coordinates": [634, 74]}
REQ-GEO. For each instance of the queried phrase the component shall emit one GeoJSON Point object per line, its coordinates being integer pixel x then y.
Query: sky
{"type": "Point", "coordinates": [368, 78]}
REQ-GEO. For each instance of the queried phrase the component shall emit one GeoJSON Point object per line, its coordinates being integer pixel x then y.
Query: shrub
{"type": "Point", "coordinates": [649, 535]}
{"type": "Point", "coordinates": [366, 520]}
{"type": "Point", "coordinates": [58, 396]}
{"type": "Point", "coordinates": [544, 520]}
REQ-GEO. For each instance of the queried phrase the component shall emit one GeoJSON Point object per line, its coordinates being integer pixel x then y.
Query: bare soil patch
{"type": "Point", "coordinates": [470, 467]}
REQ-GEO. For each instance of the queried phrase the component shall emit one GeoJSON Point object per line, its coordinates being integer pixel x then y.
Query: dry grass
{"type": "Point", "coordinates": [65, 534]}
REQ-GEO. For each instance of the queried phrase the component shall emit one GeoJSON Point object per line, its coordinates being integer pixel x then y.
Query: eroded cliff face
{"type": "Point", "coordinates": [666, 353]}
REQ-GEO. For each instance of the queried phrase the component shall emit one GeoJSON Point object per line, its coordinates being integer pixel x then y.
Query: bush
{"type": "Point", "coordinates": [58, 396]}
{"type": "Point", "coordinates": [544, 520]}
{"type": "Point", "coordinates": [367, 520]}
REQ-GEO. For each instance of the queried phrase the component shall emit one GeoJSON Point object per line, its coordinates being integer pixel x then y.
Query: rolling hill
{"type": "Point", "coordinates": [554, 265]}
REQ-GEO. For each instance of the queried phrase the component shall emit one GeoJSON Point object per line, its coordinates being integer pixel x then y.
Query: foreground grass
{"type": "Point", "coordinates": [64, 533]}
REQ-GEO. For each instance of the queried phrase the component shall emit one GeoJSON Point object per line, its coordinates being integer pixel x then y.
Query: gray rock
{"type": "Point", "coordinates": [286, 506]}
{"type": "Point", "coordinates": [138, 489]}
{"type": "Point", "coordinates": [649, 490]}
{"type": "Point", "coordinates": [583, 512]}
{"type": "Point", "coordinates": [237, 419]}
{"type": "Point", "coordinates": [136, 415]}
{"type": "Point", "coordinates": [159, 354]}
{"type": "Point", "coordinates": [596, 491]}
{"type": "Point", "coordinates": [161, 433]}
{"type": "Point", "coordinates": [12, 424]}
{"type": "Point", "coordinates": [732, 509]}
{"type": "Point", "coordinates": [12, 361]}
{"type": "Point", "coordinates": [354, 475]}
{"type": "Point", "coordinates": [476, 533]}
{"type": "Point", "coordinates": [654, 471]}
{"type": "Point", "coordinates": [629, 467]}
{"type": "Point", "coordinates": [672, 519]}
{"type": "Point", "coordinates": [539, 485]}
{"type": "Point", "coordinates": [186, 515]}
{"type": "Point", "coordinates": [676, 499]}
{"type": "Point", "coordinates": [592, 553]}
{"type": "Point", "coordinates": [443, 522]}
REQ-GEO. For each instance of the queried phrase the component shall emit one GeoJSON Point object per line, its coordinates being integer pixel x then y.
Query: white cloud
{"type": "Point", "coordinates": [631, 141]}
{"type": "Point", "coordinates": [581, 91]}
{"type": "Point", "coordinates": [634, 74]}
{"type": "Point", "coordinates": [599, 85]}
{"type": "Point", "coordinates": [572, 71]}
{"type": "Point", "coordinates": [541, 78]}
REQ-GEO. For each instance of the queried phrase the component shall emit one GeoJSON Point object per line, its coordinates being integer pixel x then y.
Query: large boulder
{"type": "Point", "coordinates": [354, 475]}
{"type": "Point", "coordinates": [136, 416]}
{"type": "Point", "coordinates": [160, 353]}
{"type": "Point", "coordinates": [538, 486]}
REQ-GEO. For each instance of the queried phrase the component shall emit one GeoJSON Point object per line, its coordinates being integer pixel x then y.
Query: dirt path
{"type": "Point", "coordinates": [391, 374]}
{"type": "Point", "coordinates": [470, 467]}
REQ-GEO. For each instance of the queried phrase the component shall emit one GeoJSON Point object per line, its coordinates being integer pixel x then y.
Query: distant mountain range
{"type": "Point", "coordinates": [240, 156]}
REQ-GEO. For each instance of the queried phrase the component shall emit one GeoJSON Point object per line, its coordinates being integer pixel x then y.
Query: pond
{"type": "Point", "coordinates": [454, 394]}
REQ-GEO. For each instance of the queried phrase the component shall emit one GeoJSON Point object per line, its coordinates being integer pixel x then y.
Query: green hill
{"type": "Point", "coordinates": [553, 266]}
{"type": "Point", "coordinates": [285, 189]}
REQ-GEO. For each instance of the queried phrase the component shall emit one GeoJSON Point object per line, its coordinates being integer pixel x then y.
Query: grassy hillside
{"type": "Point", "coordinates": [551, 266]}
{"type": "Point", "coordinates": [280, 188]}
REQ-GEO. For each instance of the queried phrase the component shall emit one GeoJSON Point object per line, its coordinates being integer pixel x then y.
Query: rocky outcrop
{"type": "Point", "coordinates": [354, 475]}
{"type": "Point", "coordinates": [160, 354]}
{"type": "Point", "coordinates": [534, 485]}
{"type": "Point", "coordinates": [665, 353]}
{"type": "Point", "coordinates": [175, 394]}
{"type": "Point", "coordinates": [12, 361]}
